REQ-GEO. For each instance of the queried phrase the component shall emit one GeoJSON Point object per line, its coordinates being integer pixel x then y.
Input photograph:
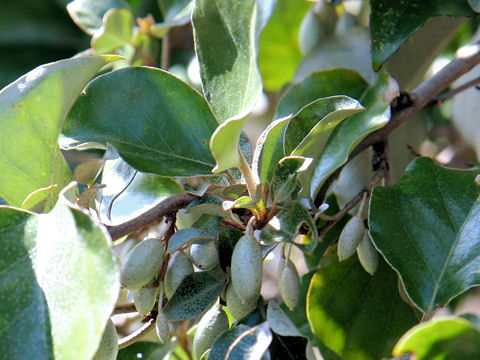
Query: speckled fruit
{"type": "Point", "coordinates": [212, 324]}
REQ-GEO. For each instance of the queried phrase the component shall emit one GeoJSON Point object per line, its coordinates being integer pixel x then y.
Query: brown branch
{"type": "Point", "coordinates": [171, 204]}
{"type": "Point", "coordinates": [136, 335]}
{"type": "Point", "coordinates": [332, 220]}
{"type": "Point", "coordinates": [440, 99]}
{"type": "Point", "coordinates": [124, 308]}
{"type": "Point", "coordinates": [419, 97]}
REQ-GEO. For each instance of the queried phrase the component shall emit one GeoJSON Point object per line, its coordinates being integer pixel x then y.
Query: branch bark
{"type": "Point", "coordinates": [171, 204]}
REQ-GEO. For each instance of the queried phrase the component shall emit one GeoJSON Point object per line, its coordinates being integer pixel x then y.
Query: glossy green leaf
{"type": "Point", "coordinates": [475, 4]}
{"type": "Point", "coordinates": [427, 229]}
{"type": "Point", "coordinates": [352, 131]}
{"type": "Point", "coordinates": [144, 350]}
{"type": "Point", "coordinates": [222, 344]}
{"type": "Point", "coordinates": [88, 14]}
{"type": "Point", "coordinates": [143, 112]}
{"type": "Point", "coordinates": [195, 293]}
{"type": "Point", "coordinates": [319, 85]}
{"type": "Point", "coordinates": [285, 225]}
{"type": "Point", "coordinates": [116, 31]}
{"type": "Point", "coordinates": [32, 110]}
{"type": "Point", "coordinates": [224, 144]}
{"type": "Point", "coordinates": [355, 316]}
{"type": "Point", "coordinates": [71, 258]}
{"type": "Point", "coordinates": [279, 52]}
{"type": "Point", "coordinates": [284, 179]}
{"type": "Point", "coordinates": [231, 82]}
{"type": "Point", "coordinates": [144, 192]}
{"type": "Point", "coordinates": [392, 22]}
{"type": "Point", "coordinates": [445, 338]}
{"type": "Point", "coordinates": [185, 237]}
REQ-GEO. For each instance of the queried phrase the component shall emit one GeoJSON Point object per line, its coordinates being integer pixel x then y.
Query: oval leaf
{"type": "Point", "coordinates": [427, 229]}
{"type": "Point", "coordinates": [157, 123]}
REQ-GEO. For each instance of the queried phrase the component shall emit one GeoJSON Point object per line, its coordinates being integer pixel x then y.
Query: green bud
{"type": "Point", "coordinates": [108, 348]}
{"type": "Point", "coordinates": [141, 264]}
{"type": "Point", "coordinates": [289, 285]}
{"type": "Point", "coordinates": [350, 237]}
{"type": "Point", "coordinates": [367, 254]}
{"type": "Point", "coordinates": [204, 256]}
{"type": "Point", "coordinates": [144, 299]}
{"type": "Point", "coordinates": [179, 267]}
{"type": "Point", "coordinates": [247, 268]}
{"type": "Point", "coordinates": [236, 307]}
{"type": "Point", "coordinates": [212, 324]}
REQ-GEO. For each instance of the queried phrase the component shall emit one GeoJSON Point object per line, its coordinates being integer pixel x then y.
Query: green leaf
{"type": "Point", "coordinates": [195, 293]}
{"type": "Point", "coordinates": [427, 229]}
{"type": "Point", "coordinates": [222, 344]}
{"type": "Point", "coordinates": [185, 237]}
{"type": "Point", "coordinates": [319, 85]}
{"type": "Point", "coordinates": [22, 336]}
{"type": "Point", "coordinates": [144, 112]}
{"type": "Point", "coordinates": [210, 205]}
{"type": "Point", "coordinates": [284, 179]}
{"type": "Point", "coordinates": [231, 82]}
{"type": "Point", "coordinates": [279, 322]}
{"type": "Point", "coordinates": [227, 238]}
{"type": "Point", "coordinates": [32, 110]}
{"type": "Point", "coordinates": [144, 192]}
{"type": "Point", "coordinates": [224, 144]}
{"type": "Point", "coordinates": [352, 131]}
{"type": "Point", "coordinates": [279, 52]}
{"type": "Point", "coordinates": [392, 22]}
{"type": "Point", "coordinates": [286, 224]}
{"type": "Point", "coordinates": [88, 14]}
{"type": "Point", "coordinates": [445, 338]}
{"type": "Point", "coordinates": [144, 350]}
{"type": "Point", "coordinates": [116, 31]}
{"type": "Point", "coordinates": [354, 315]}
{"type": "Point", "coordinates": [475, 4]}
{"type": "Point", "coordinates": [175, 13]}
{"type": "Point", "coordinates": [71, 258]}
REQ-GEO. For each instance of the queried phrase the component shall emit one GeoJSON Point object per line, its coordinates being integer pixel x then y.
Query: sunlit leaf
{"type": "Point", "coordinates": [224, 144]}
{"type": "Point", "coordinates": [116, 31]}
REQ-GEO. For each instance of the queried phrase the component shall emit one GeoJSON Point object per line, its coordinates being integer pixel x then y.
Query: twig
{"type": "Point", "coordinates": [440, 99]}
{"type": "Point", "coordinates": [124, 308]}
{"type": "Point", "coordinates": [137, 334]}
{"type": "Point", "coordinates": [332, 220]}
{"type": "Point", "coordinates": [165, 57]}
{"type": "Point", "coordinates": [420, 97]}
{"type": "Point", "coordinates": [167, 206]}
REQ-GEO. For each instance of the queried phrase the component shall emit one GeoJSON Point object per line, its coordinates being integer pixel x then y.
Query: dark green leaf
{"type": "Point", "coordinates": [32, 110]}
{"type": "Point", "coordinates": [279, 52]}
{"type": "Point", "coordinates": [22, 336]}
{"type": "Point", "coordinates": [392, 22]}
{"type": "Point", "coordinates": [196, 292]}
{"type": "Point", "coordinates": [227, 238]}
{"type": "Point", "coordinates": [116, 31]}
{"type": "Point", "coordinates": [284, 179]}
{"type": "Point", "coordinates": [350, 132]}
{"type": "Point", "coordinates": [285, 225]}
{"type": "Point", "coordinates": [222, 343]}
{"type": "Point", "coordinates": [185, 237]}
{"type": "Point", "coordinates": [354, 315]}
{"type": "Point", "coordinates": [319, 85]}
{"type": "Point", "coordinates": [442, 338]}
{"type": "Point", "coordinates": [427, 229]}
{"type": "Point", "coordinates": [72, 259]}
{"type": "Point", "coordinates": [231, 82]}
{"type": "Point", "coordinates": [279, 322]}
{"type": "Point", "coordinates": [88, 14]}
{"type": "Point", "coordinates": [143, 112]}
{"type": "Point", "coordinates": [288, 347]}
{"type": "Point", "coordinates": [144, 350]}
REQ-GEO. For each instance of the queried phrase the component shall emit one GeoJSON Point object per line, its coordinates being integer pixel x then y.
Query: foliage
{"type": "Point", "coordinates": [171, 203]}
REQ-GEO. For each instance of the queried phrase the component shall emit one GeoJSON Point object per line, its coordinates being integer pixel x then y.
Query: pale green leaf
{"type": "Point", "coordinates": [224, 144]}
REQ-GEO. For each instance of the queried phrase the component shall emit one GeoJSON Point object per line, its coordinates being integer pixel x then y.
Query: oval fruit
{"type": "Point", "coordinates": [179, 267]}
{"type": "Point", "coordinates": [236, 307]}
{"type": "Point", "coordinates": [142, 264]}
{"type": "Point", "coordinates": [350, 237]}
{"type": "Point", "coordinates": [108, 348]}
{"type": "Point", "coordinates": [144, 299]}
{"type": "Point", "coordinates": [289, 285]}
{"type": "Point", "coordinates": [162, 327]}
{"type": "Point", "coordinates": [212, 324]}
{"type": "Point", "coordinates": [367, 254]}
{"type": "Point", "coordinates": [247, 268]}
{"type": "Point", "coordinates": [204, 256]}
